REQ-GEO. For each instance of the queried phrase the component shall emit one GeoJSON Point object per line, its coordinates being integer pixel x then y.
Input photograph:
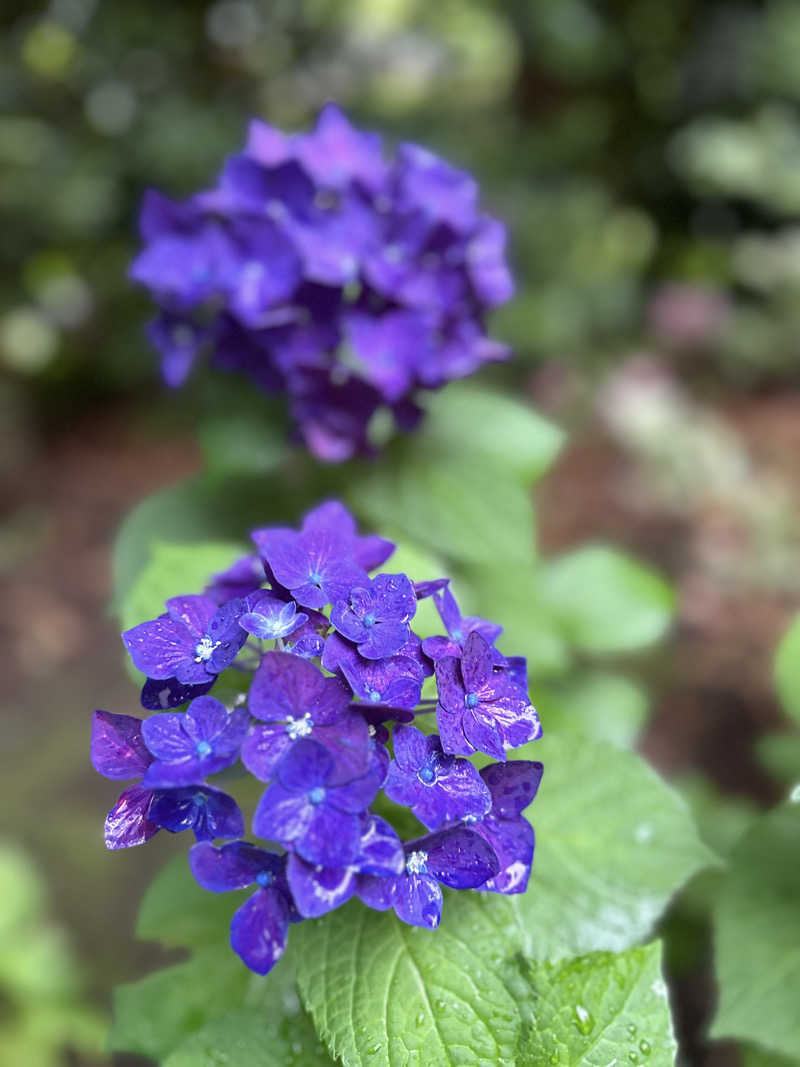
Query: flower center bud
{"type": "Point", "coordinates": [264, 878]}
{"type": "Point", "coordinates": [316, 795]}
{"type": "Point", "coordinates": [471, 700]}
{"type": "Point", "coordinates": [315, 578]}
{"type": "Point", "coordinates": [415, 864]}
{"type": "Point", "coordinates": [204, 650]}
{"type": "Point", "coordinates": [299, 727]}
{"type": "Point", "coordinates": [426, 774]}
{"type": "Point", "coordinates": [374, 696]}
{"type": "Point", "coordinates": [203, 749]}
{"type": "Point", "coordinates": [369, 619]}
{"type": "Point", "coordinates": [458, 636]}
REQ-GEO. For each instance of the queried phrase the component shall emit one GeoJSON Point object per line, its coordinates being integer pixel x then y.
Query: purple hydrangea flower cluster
{"type": "Point", "coordinates": [327, 711]}
{"type": "Point", "coordinates": [323, 269]}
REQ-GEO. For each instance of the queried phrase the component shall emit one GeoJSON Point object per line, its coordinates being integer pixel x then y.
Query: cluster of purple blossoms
{"type": "Point", "coordinates": [328, 712]}
{"type": "Point", "coordinates": [324, 270]}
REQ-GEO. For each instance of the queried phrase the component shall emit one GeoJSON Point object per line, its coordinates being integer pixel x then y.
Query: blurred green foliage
{"type": "Point", "coordinates": [627, 144]}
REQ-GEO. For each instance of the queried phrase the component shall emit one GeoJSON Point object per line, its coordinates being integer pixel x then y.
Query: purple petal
{"type": "Point", "coordinates": [477, 662]}
{"type": "Point", "coordinates": [118, 750]}
{"type": "Point", "coordinates": [348, 741]}
{"type": "Point", "coordinates": [418, 901]}
{"type": "Point", "coordinates": [259, 930]}
{"type": "Point", "coordinates": [410, 748]}
{"type": "Point", "coordinates": [281, 815]}
{"type": "Point", "coordinates": [166, 738]}
{"type": "Point", "coordinates": [512, 841]}
{"type": "Point", "coordinates": [307, 764]}
{"type": "Point", "coordinates": [164, 648]}
{"type": "Point", "coordinates": [208, 720]}
{"type": "Point", "coordinates": [384, 639]}
{"type": "Point", "coordinates": [286, 686]}
{"type": "Point", "coordinates": [208, 812]}
{"type": "Point", "coordinates": [317, 891]}
{"type": "Point", "coordinates": [482, 732]}
{"type": "Point", "coordinates": [264, 747]}
{"type": "Point", "coordinates": [513, 786]}
{"type": "Point", "coordinates": [355, 796]}
{"type": "Point", "coordinates": [160, 694]}
{"type": "Point", "coordinates": [423, 590]}
{"type": "Point", "coordinates": [234, 866]}
{"type": "Point", "coordinates": [451, 732]}
{"type": "Point", "coordinates": [195, 612]}
{"type": "Point", "coordinates": [241, 579]}
{"type": "Point", "coordinates": [486, 263]}
{"type": "Point", "coordinates": [372, 551]}
{"type": "Point", "coordinates": [226, 635]}
{"type": "Point", "coordinates": [331, 839]}
{"type": "Point", "coordinates": [377, 892]}
{"type": "Point", "coordinates": [449, 685]}
{"type": "Point", "coordinates": [458, 858]}
{"type": "Point", "coordinates": [381, 851]}
{"type": "Point", "coordinates": [127, 823]}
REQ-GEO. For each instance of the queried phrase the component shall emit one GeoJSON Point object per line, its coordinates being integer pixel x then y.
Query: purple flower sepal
{"type": "Point", "coordinates": [318, 890]}
{"type": "Point", "coordinates": [260, 927]}
{"type": "Point", "coordinates": [118, 749]}
{"type": "Point", "coordinates": [189, 746]}
{"type": "Point", "coordinates": [455, 857]}
{"type": "Point", "coordinates": [481, 707]}
{"type": "Point", "coordinates": [459, 627]}
{"type": "Point", "coordinates": [139, 813]}
{"type": "Point", "coordinates": [375, 615]}
{"type": "Point", "coordinates": [269, 618]}
{"type": "Point", "coordinates": [193, 641]}
{"type": "Point", "coordinates": [305, 810]}
{"type": "Point", "coordinates": [513, 786]}
{"type": "Point", "coordinates": [316, 565]}
{"type": "Point", "coordinates": [160, 694]}
{"type": "Point", "coordinates": [294, 700]}
{"type": "Point", "coordinates": [437, 787]}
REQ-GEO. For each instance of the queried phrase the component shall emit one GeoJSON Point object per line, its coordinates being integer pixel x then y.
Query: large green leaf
{"type": "Point", "coordinates": [390, 995]}
{"type": "Point", "coordinates": [614, 843]}
{"type": "Point", "coordinates": [606, 601]}
{"type": "Point", "coordinates": [601, 1009]}
{"type": "Point", "coordinates": [598, 704]}
{"type": "Point", "coordinates": [787, 669]}
{"type": "Point", "coordinates": [258, 1037]}
{"type": "Point", "coordinates": [757, 936]}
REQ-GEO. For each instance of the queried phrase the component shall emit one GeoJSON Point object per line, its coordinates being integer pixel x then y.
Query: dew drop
{"type": "Point", "coordinates": [644, 1047]}
{"type": "Point", "coordinates": [373, 1049]}
{"type": "Point", "coordinates": [633, 1057]}
{"type": "Point", "coordinates": [555, 1056]}
{"type": "Point", "coordinates": [583, 1020]}
{"type": "Point", "coordinates": [441, 1005]}
{"type": "Point", "coordinates": [420, 1019]}
{"type": "Point", "coordinates": [632, 1029]}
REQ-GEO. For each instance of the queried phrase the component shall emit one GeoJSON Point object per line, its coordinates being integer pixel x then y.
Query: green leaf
{"type": "Point", "coordinates": [503, 434]}
{"type": "Point", "coordinates": [787, 669]}
{"type": "Point", "coordinates": [613, 844]}
{"type": "Point", "coordinates": [258, 1037]}
{"type": "Point", "coordinates": [757, 936]}
{"type": "Point", "coordinates": [173, 570]}
{"type": "Point", "coordinates": [779, 752]}
{"type": "Point", "coordinates": [242, 443]}
{"type": "Point", "coordinates": [601, 1009]}
{"type": "Point", "coordinates": [177, 912]}
{"type": "Point", "coordinates": [606, 601]}
{"type": "Point", "coordinates": [152, 1016]}
{"type": "Point", "coordinates": [390, 995]}
{"type": "Point", "coordinates": [603, 706]}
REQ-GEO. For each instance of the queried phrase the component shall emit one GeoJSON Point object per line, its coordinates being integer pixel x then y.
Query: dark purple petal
{"type": "Point", "coordinates": [354, 796]}
{"type": "Point", "coordinates": [429, 184]}
{"type": "Point", "coordinates": [381, 851]}
{"type": "Point", "coordinates": [286, 687]}
{"type": "Point", "coordinates": [234, 866]}
{"type": "Point", "coordinates": [477, 662]}
{"type": "Point", "coordinates": [159, 694]}
{"type": "Point", "coordinates": [395, 681]}
{"type": "Point", "coordinates": [264, 747]}
{"type": "Point", "coordinates": [259, 930]}
{"type": "Point", "coordinates": [318, 890]}
{"type": "Point", "coordinates": [208, 812]}
{"type": "Point", "coordinates": [371, 551]}
{"type": "Point", "coordinates": [164, 648]}
{"type": "Point", "coordinates": [451, 732]}
{"type": "Point", "coordinates": [194, 612]}
{"type": "Point", "coordinates": [458, 858]}
{"type": "Point", "coordinates": [307, 764]}
{"type": "Point", "coordinates": [331, 839]}
{"type": "Point", "coordinates": [226, 635]}
{"type": "Point", "coordinates": [166, 738]}
{"type": "Point", "coordinates": [336, 153]}
{"type": "Point", "coordinates": [512, 841]}
{"type": "Point", "coordinates": [348, 741]}
{"type": "Point", "coordinates": [241, 579]}
{"type": "Point", "coordinates": [377, 892]}
{"type": "Point", "coordinates": [423, 590]}
{"type": "Point", "coordinates": [513, 786]}
{"type": "Point", "coordinates": [483, 733]}
{"type": "Point", "coordinates": [450, 686]}
{"type": "Point", "coordinates": [282, 815]}
{"type": "Point", "coordinates": [418, 901]}
{"type": "Point", "coordinates": [128, 822]}
{"type": "Point", "coordinates": [118, 750]}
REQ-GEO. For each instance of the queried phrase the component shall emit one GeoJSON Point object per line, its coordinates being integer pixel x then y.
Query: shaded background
{"type": "Point", "coordinates": [646, 157]}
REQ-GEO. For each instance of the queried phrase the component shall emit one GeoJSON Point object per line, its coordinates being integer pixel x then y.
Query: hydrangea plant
{"type": "Point", "coordinates": [326, 270]}
{"type": "Point", "coordinates": [331, 677]}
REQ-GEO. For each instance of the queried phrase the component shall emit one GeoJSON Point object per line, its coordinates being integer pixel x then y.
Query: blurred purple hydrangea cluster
{"type": "Point", "coordinates": [328, 272]}
{"type": "Point", "coordinates": [329, 679]}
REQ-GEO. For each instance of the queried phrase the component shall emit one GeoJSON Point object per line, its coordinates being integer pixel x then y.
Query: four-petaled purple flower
{"type": "Point", "coordinates": [189, 746]}
{"type": "Point", "coordinates": [260, 927]}
{"type": "Point", "coordinates": [308, 809]}
{"type": "Point", "coordinates": [481, 707]}
{"type": "Point", "coordinates": [375, 616]}
{"type": "Point", "coordinates": [294, 700]}
{"type": "Point", "coordinates": [193, 641]}
{"type": "Point", "coordinates": [438, 788]}
{"type": "Point", "coordinates": [269, 618]}
{"type": "Point", "coordinates": [456, 857]}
